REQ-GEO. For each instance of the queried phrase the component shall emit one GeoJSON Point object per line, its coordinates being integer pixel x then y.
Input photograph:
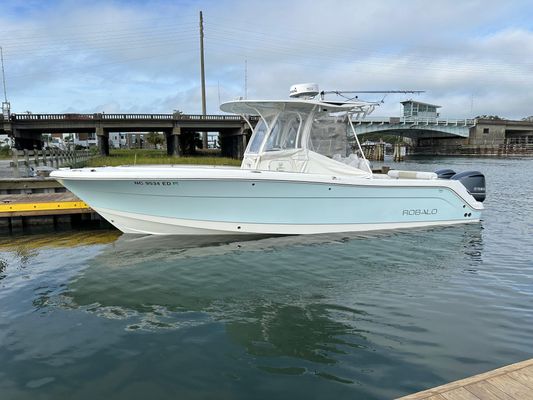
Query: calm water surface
{"type": "Point", "coordinates": [86, 315]}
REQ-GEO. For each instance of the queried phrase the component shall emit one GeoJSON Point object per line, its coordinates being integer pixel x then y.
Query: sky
{"type": "Point", "coordinates": [472, 57]}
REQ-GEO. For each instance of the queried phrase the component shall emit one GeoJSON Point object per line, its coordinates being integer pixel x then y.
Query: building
{"type": "Point", "coordinates": [117, 140]}
{"type": "Point", "coordinates": [417, 109]}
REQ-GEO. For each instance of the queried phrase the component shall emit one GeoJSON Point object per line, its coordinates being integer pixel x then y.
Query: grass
{"type": "Point", "coordinates": [5, 153]}
{"type": "Point", "coordinates": [144, 157]}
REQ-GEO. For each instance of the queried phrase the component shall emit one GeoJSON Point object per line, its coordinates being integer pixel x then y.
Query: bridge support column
{"type": "Point", "coordinates": [233, 143]}
{"type": "Point", "coordinates": [103, 141]}
{"type": "Point", "coordinates": [173, 142]}
{"type": "Point", "coordinates": [245, 135]}
{"type": "Point", "coordinates": [24, 140]}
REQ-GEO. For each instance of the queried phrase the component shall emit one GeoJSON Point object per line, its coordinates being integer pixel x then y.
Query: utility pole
{"type": "Point", "coordinates": [5, 104]}
{"type": "Point", "coordinates": [3, 73]}
{"type": "Point", "coordinates": [202, 73]}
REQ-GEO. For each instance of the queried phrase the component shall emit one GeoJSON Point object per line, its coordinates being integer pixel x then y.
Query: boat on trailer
{"type": "Point", "coordinates": [303, 172]}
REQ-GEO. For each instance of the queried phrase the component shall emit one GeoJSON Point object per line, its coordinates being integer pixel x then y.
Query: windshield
{"type": "Point", "coordinates": [284, 133]}
{"type": "Point", "coordinates": [329, 134]}
{"type": "Point", "coordinates": [259, 135]}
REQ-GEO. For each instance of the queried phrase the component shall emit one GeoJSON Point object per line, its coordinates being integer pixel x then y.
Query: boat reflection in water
{"type": "Point", "coordinates": [323, 305]}
{"type": "Point", "coordinates": [308, 298]}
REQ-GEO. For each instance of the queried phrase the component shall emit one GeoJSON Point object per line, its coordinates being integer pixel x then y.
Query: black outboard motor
{"type": "Point", "coordinates": [445, 173]}
{"type": "Point", "coordinates": [474, 182]}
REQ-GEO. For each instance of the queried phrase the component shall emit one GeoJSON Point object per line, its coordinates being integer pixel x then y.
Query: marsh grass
{"type": "Point", "coordinates": [147, 157]}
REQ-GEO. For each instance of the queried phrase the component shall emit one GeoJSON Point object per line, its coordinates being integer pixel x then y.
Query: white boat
{"type": "Point", "coordinates": [303, 172]}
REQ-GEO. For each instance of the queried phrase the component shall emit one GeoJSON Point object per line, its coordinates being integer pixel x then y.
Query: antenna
{"type": "Point", "coordinates": [218, 87]}
{"type": "Point", "coordinates": [341, 92]}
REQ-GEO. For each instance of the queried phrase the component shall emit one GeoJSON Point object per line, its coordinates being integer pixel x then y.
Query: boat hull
{"type": "Point", "coordinates": [271, 204]}
{"type": "Point", "coordinates": [133, 223]}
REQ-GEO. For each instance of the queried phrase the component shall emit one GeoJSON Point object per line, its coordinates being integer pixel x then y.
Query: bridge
{"type": "Point", "coordinates": [416, 128]}
{"type": "Point", "coordinates": [179, 129]}
{"type": "Point", "coordinates": [430, 133]}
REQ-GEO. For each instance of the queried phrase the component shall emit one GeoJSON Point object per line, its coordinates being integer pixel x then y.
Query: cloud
{"type": "Point", "coordinates": [471, 57]}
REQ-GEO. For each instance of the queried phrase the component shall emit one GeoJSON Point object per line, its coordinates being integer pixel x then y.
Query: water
{"type": "Point", "coordinates": [87, 315]}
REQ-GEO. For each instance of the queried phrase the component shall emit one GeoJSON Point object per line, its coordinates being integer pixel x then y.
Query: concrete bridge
{"type": "Point", "coordinates": [416, 128]}
{"type": "Point", "coordinates": [178, 128]}
{"type": "Point", "coordinates": [434, 136]}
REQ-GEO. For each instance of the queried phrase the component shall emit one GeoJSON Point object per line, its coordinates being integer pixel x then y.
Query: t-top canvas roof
{"type": "Point", "coordinates": [252, 107]}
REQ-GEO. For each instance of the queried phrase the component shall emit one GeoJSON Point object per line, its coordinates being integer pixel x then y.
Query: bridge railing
{"type": "Point", "coordinates": [122, 117]}
{"type": "Point", "coordinates": [137, 116]}
{"type": "Point", "coordinates": [52, 117]}
{"type": "Point", "coordinates": [439, 122]}
{"type": "Point", "coordinates": [24, 160]}
{"type": "Point", "coordinates": [214, 117]}
{"type": "Point", "coordinates": [418, 121]}
{"type": "Point", "coordinates": [199, 117]}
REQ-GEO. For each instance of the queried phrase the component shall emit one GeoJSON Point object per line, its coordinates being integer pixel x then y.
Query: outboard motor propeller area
{"type": "Point", "coordinates": [445, 173]}
{"type": "Point", "coordinates": [474, 182]}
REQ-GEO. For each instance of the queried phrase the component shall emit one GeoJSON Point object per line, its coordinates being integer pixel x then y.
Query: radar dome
{"type": "Point", "coordinates": [304, 90]}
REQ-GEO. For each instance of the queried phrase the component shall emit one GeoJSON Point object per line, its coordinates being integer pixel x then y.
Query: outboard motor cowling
{"type": "Point", "coordinates": [474, 182]}
{"type": "Point", "coordinates": [445, 173]}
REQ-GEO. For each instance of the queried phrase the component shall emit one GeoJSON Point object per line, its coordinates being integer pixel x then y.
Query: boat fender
{"type": "Point", "coordinates": [474, 182]}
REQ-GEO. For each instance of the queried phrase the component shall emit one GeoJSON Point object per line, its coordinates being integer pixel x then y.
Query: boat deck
{"type": "Point", "coordinates": [513, 382]}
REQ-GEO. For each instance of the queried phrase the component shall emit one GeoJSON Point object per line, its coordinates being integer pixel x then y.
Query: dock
{"type": "Point", "coordinates": [38, 202]}
{"type": "Point", "coordinates": [512, 382]}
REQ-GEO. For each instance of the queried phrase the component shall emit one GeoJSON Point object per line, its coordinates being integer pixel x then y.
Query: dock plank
{"type": "Point", "coordinates": [524, 376]}
{"type": "Point", "coordinates": [512, 382]}
{"type": "Point", "coordinates": [36, 198]}
{"type": "Point", "coordinates": [486, 391]}
{"type": "Point", "coordinates": [459, 394]}
{"type": "Point", "coordinates": [513, 388]}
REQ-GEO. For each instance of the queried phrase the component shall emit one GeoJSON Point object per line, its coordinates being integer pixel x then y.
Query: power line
{"type": "Point", "coordinates": [86, 43]}
{"type": "Point", "coordinates": [92, 50]}
{"type": "Point", "coordinates": [156, 19]}
{"type": "Point", "coordinates": [320, 66]}
{"type": "Point", "coordinates": [420, 64]}
{"type": "Point", "coordinates": [91, 67]}
{"type": "Point", "coordinates": [232, 35]}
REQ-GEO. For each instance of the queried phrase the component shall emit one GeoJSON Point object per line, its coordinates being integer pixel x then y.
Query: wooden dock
{"type": "Point", "coordinates": [37, 204]}
{"type": "Point", "coordinates": [513, 382]}
{"type": "Point", "coordinates": [25, 203]}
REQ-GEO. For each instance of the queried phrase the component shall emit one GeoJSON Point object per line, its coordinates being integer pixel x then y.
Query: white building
{"type": "Point", "coordinates": [416, 109]}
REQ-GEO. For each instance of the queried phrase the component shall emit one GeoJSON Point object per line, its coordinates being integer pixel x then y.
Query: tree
{"type": "Point", "coordinates": [155, 138]}
{"type": "Point", "coordinates": [491, 117]}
